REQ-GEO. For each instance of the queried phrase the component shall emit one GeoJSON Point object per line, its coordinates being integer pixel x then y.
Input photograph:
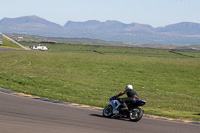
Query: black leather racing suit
{"type": "Point", "coordinates": [131, 96]}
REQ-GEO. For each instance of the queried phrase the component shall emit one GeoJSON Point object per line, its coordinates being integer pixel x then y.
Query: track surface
{"type": "Point", "coordinates": [24, 115]}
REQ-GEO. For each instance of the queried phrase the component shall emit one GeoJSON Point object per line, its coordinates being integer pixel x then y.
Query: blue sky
{"type": "Point", "coordinates": [153, 12]}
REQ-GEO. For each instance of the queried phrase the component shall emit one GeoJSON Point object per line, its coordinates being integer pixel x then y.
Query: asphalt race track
{"type": "Point", "coordinates": [24, 115]}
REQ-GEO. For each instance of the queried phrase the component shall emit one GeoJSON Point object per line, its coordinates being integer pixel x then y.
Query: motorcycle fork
{"type": "Point", "coordinates": [115, 104]}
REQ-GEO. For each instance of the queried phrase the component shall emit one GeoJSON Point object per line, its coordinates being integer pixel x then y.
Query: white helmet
{"type": "Point", "coordinates": [129, 87]}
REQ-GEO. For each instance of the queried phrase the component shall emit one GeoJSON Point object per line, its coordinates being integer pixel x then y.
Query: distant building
{"type": "Point", "coordinates": [20, 37]}
{"type": "Point", "coordinates": [39, 47]}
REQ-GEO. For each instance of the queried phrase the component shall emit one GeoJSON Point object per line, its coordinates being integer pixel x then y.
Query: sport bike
{"type": "Point", "coordinates": [134, 113]}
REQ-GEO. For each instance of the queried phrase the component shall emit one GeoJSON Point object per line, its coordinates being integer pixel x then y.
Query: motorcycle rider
{"type": "Point", "coordinates": [131, 97]}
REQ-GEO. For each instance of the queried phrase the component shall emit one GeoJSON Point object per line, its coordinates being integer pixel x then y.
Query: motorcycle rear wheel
{"type": "Point", "coordinates": [108, 111]}
{"type": "Point", "coordinates": [136, 114]}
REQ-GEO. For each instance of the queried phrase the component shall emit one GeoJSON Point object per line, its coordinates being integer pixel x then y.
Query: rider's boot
{"type": "Point", "coordinates": [124, 106]}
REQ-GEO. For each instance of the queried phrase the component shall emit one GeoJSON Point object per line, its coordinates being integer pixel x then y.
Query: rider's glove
{"type": "Point", "coordinates": [115, 97]}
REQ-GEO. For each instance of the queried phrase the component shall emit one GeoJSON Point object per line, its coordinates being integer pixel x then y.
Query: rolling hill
{"type": "Point", "coordinates": [184, 33]}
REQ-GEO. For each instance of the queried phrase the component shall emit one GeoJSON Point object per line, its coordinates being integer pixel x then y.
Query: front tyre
{"type": "Point", "coordinates": [135, 114]}
{"type": "Point", "coordinates": [108, 111]}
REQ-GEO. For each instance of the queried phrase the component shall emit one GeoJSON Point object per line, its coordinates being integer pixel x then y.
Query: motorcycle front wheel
{"type": "Point", "coordinates": [108, 111]}
{"type": "Point", "coordinates": [135, 114]}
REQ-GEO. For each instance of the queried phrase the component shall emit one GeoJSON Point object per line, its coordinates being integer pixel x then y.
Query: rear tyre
{"type": "Point", "coordinates": [135, 114]}
{"type": "Point", "coordinates": [108, 111]}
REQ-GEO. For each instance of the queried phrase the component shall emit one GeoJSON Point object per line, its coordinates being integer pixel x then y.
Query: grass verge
{"type": "Point", "coordinates": [169, 83]}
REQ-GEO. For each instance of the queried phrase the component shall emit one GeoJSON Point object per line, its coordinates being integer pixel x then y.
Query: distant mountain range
{"type": "Point", "coordinates": [184, 33]}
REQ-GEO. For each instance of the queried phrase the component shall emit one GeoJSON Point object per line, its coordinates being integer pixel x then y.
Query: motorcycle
{"type": "Point", "coordinates": [134, 113]}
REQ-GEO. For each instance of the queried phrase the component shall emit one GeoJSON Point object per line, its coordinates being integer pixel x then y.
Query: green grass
{"type": "Point", "coordinates": [8, 44]}
{"type": "Point", "coordinates": [170, 83]}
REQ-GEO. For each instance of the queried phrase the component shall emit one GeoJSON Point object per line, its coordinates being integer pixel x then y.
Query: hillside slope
{"type": "Point", "coordinates": [184, 33]}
